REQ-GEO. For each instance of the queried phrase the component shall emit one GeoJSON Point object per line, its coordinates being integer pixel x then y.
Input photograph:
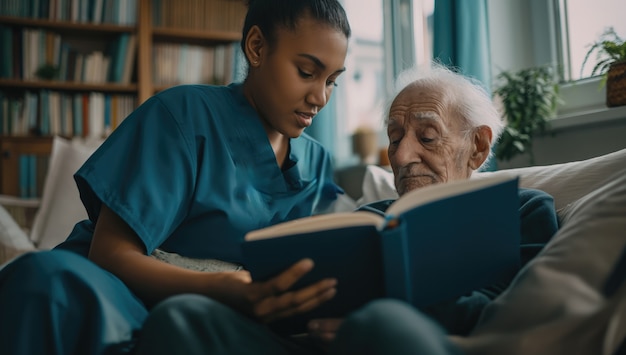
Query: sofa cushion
{"type": "Point", "coordinates": [60, 206]}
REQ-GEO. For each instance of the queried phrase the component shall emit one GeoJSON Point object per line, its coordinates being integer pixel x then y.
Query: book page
{"type": "Point", "coordinates": [436, 192]}
{"type": "Point", "coordinates": [317, 223]}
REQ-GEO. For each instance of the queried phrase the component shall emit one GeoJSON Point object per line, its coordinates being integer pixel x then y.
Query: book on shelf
{"type": "Point", "coordinates": [129, 59]}
{"type": "Point", "coordinates": [85, 11]}
{"type": "Point", "coordinates": [32, 176]}
{"type": "Point", "coordinates": [117, 52]}
{"type": "Point", "coordinates": [44, 112]}
{"type": "Point", "coordinates": [77, 109]}
{"type": "Point", "coordinates": [86, 130]}
{"type": "Point", "coordinates": [52, 112]}
{"type": "Point", "coordinates": [6, 45]}
{"type": "Point", "coordinates": [32, 170]}
{"type": "Point", "coordinates": [432, 245]}
{"type": "Point", "coordinates": [24, 175]}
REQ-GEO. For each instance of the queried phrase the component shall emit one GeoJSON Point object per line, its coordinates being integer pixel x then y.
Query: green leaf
{"type": "Point", "coordinates": [529, 97]}
{"type": "Point", "coordinates": [608, 49]}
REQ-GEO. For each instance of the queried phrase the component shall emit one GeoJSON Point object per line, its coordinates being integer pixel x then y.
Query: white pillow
{"type": "Point", "coordinates": [343, 203]}
{"type": "Point", "coordinates": [557, 305]}
{"type": "Point", "coordinates": [13, 240]}
{"type": "Point", "coordinates": [377, 185]}
{"type": "Point", "coordinates": [60, 206]}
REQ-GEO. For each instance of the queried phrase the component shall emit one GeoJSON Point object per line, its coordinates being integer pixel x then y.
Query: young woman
{"type": "Point", "coordinates": [187, 174]}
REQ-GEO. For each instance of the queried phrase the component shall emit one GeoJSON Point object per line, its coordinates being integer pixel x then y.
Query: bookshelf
{"type": "Point", "coordinates": [191, 29]}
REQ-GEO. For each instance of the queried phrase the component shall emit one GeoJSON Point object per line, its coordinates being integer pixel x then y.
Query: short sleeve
{"type": "Point", "coordinates": [144, 172]}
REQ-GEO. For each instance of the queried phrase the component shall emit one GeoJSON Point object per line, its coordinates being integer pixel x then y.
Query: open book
{"type": "Point", "coordinates": [432, 245]}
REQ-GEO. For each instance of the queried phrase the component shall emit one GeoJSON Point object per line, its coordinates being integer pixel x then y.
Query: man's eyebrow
{"type": "Point", "coordinates": [318, 62]}
{"type": "Point", "coordinates": [425, 116]}
{"type": "Point", "coordinates": [418, 116]}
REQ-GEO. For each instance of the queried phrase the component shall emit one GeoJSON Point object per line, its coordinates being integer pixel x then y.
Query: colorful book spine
{"type": "Point", "coordinates": [28, 176]}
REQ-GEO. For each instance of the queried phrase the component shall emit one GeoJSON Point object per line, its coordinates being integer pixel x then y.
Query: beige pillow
{"type": "Point", "coordinates": [570, 181]}
{"type": "Point", "coordinates": [60, 206]}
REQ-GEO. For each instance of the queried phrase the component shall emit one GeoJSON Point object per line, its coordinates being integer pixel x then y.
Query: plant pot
{"type": "Point", "coordinates": [616, 85]}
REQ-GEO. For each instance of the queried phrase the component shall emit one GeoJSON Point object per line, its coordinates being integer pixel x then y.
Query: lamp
{"type": "Point", "coordinates": [365, 144]}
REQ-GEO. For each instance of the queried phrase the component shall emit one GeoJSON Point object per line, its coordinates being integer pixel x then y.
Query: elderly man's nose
{"type": "Point", "coordinates": [408, 151]}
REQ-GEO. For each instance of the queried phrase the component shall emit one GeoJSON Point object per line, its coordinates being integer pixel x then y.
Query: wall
{"type": "Point", "coordinates": [588, 136]}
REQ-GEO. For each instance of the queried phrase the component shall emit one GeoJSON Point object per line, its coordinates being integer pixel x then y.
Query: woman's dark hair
{"type": "Point", "coordinates": [270, 14]}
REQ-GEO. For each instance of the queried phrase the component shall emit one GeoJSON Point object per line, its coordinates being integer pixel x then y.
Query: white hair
{"type": "Point", "coordinates": [466, 95]}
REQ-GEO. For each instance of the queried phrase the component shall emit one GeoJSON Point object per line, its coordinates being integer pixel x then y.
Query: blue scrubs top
{"type": "Point", "coordinates": [192, 170]}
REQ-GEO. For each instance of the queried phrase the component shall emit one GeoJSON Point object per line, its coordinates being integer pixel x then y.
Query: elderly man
{"type": "Point", "coordinates": [441, 127]}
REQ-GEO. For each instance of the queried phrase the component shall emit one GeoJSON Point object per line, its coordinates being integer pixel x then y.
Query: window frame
{"type": "Point", "coordinates": [398, 54]}
{"type": "Point", "coordinates": [582, 100]}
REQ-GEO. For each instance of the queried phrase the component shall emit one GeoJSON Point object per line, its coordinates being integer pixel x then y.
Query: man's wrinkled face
{"type": "Point", "coordinates": [428, 143]}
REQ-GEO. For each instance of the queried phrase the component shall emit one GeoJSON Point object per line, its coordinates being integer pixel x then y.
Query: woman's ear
{"type": "Point", "coordinates": [254, 46]}
{"type": "Point", "coordinates": [481, 146]}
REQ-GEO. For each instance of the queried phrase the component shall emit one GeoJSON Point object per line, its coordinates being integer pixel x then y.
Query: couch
{"type": "Point", "coordinates": [570, 299]}
{"type": "Point", "coordinates": [558, 304]}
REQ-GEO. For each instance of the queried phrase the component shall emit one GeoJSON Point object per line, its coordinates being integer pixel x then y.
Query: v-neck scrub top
{"type": "Point", "coordinates": [191, 171]}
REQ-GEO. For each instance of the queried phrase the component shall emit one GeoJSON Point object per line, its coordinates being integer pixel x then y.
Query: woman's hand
{"type": "Point", "coordinates": [324, 330]}
{"type": "Point", "coordinates": [117, 248]}
{"type": "Point", "coordinates": [272, 299]}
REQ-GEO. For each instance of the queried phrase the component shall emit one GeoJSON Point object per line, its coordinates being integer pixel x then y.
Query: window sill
{"type": "Point", "coordinates": [590, 116]}
{"type": "Point", "coordinates": [584, 104]}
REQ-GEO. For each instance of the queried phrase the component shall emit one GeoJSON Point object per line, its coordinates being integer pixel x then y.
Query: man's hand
{"type": "Point", "coordinates": [272, 299]}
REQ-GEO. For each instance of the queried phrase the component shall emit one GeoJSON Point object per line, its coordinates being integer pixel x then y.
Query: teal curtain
{"type": "Point", "coordinates": [461, 40]}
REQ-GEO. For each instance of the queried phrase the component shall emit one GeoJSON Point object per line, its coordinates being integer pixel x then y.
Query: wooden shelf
{"type": "Point", "coordinates": [194, 36]}
{"type": "Point", "coordinates": [89, 37]}
{"type": "Point", "coordinates": [11, 148]}
{"type": "Point", "coordinates": [68, 86]}
{"type": "Point", "coordinates": [66, 26]}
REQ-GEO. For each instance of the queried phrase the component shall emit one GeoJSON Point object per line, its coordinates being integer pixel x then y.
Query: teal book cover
{"type": "Point", "coordinates": [434, 244]}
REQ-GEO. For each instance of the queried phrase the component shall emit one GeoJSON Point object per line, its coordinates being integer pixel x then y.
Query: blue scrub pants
{"type": "Point", "coordinates": [196, 325]}
{"type": "Point", "coordinates": [391, 327]}
{"type": "Point", "coordinates": [59, 302]}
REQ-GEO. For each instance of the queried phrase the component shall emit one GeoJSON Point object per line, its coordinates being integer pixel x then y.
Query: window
{"type": "Point", "coordinates": [423, 30]}
{"type": "Point", "coordinates": [581, 23]}
{"type": "Point", "coordinates": [364, 77]}
{"type": "Point", "coordinates": [361, 93]}
{"type": "Point", "coordinates": [527, 33]}
{"type": "Point", "coordinates": [380, 46]}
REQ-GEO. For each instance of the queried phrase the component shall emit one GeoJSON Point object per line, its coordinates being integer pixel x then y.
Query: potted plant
{"type": "Point", "coordinates": [529, 98]}
{"type": "Point", "coordinates": [610, 52]}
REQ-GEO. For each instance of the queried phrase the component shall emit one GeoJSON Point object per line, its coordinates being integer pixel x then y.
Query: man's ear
{"type": "Point", "coordinates": [481, 146]}
{"type": "Point", "coordinates": [254, 46]}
